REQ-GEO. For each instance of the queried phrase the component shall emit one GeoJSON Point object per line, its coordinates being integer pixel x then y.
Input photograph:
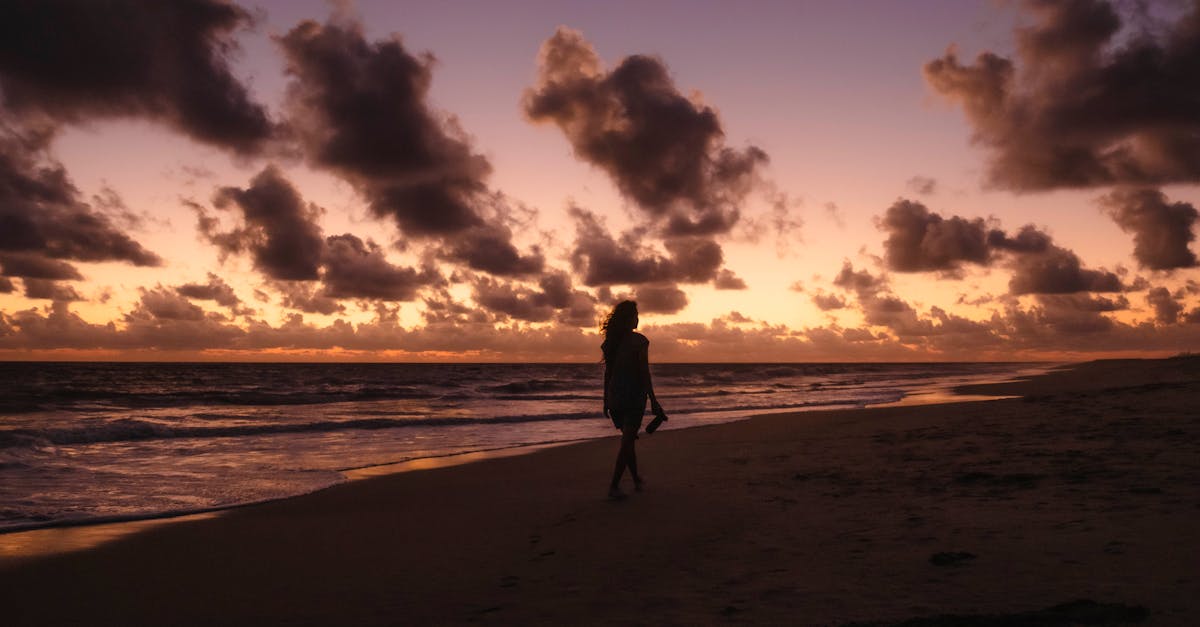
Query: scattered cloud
{"type": "Point", "coordinates": [1166, 308]}
{"type": "Point", "coordinates": [358, 269]}
{"type": "Point", "coordinates": [920, 240]}
{"type": "Point", "coordinates": [665, 152]}
{"type": "Point", "coordinates": [1161, 230]}
{"type": "Point", "coordinates": [1085, 102]}
{"type": "Point", "coordinates": [663, 299]}
{"type": "Point", "coordinates": [279, 229]}
{"type": "Point", "coordinates": [44, 224]}
{"type": "Point", "coordinates": [601, 259]}
{"type": "Point", "coordinates": [215, 289]}
{"type": "Point", "coordinates": [70, 62]}
{"type": "Point", "coordinates": [50, 290]}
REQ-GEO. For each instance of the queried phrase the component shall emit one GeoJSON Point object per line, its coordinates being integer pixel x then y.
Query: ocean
{"type": "Point", "coordinates": [87, 442]}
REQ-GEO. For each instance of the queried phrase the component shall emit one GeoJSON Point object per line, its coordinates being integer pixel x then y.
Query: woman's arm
{"type": "Point", "coordinates": [646, 382]}
{"type": "Point", "coordinates": [607, 378]}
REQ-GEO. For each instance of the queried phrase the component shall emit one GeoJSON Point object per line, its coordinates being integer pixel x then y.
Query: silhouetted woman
{"type": "Point", "coordinates": [626, 386]}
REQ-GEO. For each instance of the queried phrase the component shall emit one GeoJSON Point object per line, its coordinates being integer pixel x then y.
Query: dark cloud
{"type": "Point", "coordinates": [663, 299]}
{"type": "Point", "coordinates": [1086, 102]}
{"type": "Point", "coordinates": [727, 280]}
{"type": "Point", "coordinates": [1057, 270]}
{"type": "Point", "coordinates": [50, 290]}
{"type": "Point", "coordinates": [72, 61]}
{"type": "Point", "coordinates": [738, 317]}
{"type": "Point", "coordinates": [44, 223]}
{"type": "Point", "coordinates": [163, 304]}
{"type": "Point", "coordinates": [357, 269]}
{"type": "Point", "coordinates": [861, 282]}
{"type": "Point", "coordinates": [361, 109]}
{"type": "Point", "coordinates": [554, 298]}
{"type": "Point", "coordinates": [35, 266]}
{"type": "Point", "coordinates": [307, 298]}
{"type": "Point", "coordinates": [664, 151]}
{"type": "Point", "coordinates": [6, 285]}
{"type": "Point", "coordinates": [1166, 308]}
{"type": "Point", "coordinates": [216, 289]}
{"type": "Point", "coordinates": [489, 248]}
{"type": "Point", "coordinates": [603, 260]}
{"type": "Point", "coordinates": [1027, 240]}
{"type": "Point", "coordinates": [279, 230]}
{"type": "Point", "coordinates": [882, 308]}
{"type": "Point", "coordinates": [519, 303]}
{"type": "Point", "coordinates": [1074, 314]}
{"type": "Point", "coordinates": [1015, 333]}
{"type": "Point", "coordinates": [828, 302]}
{"type": "Point", "coordinates": [1161, 230]}
{"type": "Point", "coordinates": [920, 240]}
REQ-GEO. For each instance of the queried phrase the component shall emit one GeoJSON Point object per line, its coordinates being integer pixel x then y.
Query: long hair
{"type": "Point", "coordinates": [617, 325]}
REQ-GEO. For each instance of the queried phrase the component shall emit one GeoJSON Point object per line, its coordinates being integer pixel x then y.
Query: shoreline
{"type": "Point", "coordinates": [10, 547]}
{"type": "Point", "coordinates": [1087, 487]}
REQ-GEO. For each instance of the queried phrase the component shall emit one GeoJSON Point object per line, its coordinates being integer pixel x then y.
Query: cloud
{"type": "Point", "coordinates": [828, 302]}
{"type": "Point", "coordinates": [279, 230]}
{"type": "Point", "coordinates": [1074, 314]}
{"type": "Point", "coordinates": [920, 240]}
{"type": "Point", "coordinates": [361, 110]}
{"type": "Point", "coordinates": [216, 289]}
{"type": "Point", "coordinates": [50, 290]}
{"type": "Point", "coordinates": [922, 185]}
{"type": "Point", "coordinates": [1161, 230]}
{"type": "Point", "coordinates": [35, 266]}
{"type": "Point", "coordinates": [6, 285]}
{"type": "Point", "coordinates": [489, 248]}
{"type": "Point", "coordinates": [663, 299]}
{"type": "Point", "coordinates": [70, 62]}
{"type": "Point", "coordinates": [664, 151]}
{"type": "Point", "coordinates": [727, 280]}
{"type": "Point", "coordinates": [354, 269]}
{"type": "Point", "coordinates": [44, 224]}
{"type": "Point", "coordinates": [1057, 270]}
{"type": "Point", "coordinates": [1085, 102]}
{"type": "Point", "coordinates": [162, 304]}
{"type": "Point", "coordinates": [308, 298]}
{"type": "Point", "coordinates": [281, 234]}
{"type": "Point", "coordinates": [835, 214]}
{"type": "Point", "coordinates": [861, 282]}
{"type": "Point", "coordinates": [519, 303]}
{"type": "Point", "coordinates": [1166, 308]}
{"type": "Point", "coordinates": [603, 260]}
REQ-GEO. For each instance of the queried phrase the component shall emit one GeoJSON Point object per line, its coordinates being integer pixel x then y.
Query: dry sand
{"type": "Point", "coordinates": [991, 512]}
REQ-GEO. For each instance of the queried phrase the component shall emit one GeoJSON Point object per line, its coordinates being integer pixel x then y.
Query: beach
{"type": "Point", "coordinates": [1079, 498]}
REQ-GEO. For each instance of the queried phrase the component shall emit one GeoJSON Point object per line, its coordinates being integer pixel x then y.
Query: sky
{"type": "Point", "coordinates": [477, 181]}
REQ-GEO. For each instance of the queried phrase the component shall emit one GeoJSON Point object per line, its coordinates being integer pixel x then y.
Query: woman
{"type": "Point", "coordinates": [626, 387]}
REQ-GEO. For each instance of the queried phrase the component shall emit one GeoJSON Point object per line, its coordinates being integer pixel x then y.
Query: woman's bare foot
{"type": "Point", "coordinates": [615, 494]}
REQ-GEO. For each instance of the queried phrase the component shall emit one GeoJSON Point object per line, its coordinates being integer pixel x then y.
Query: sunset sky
{"type": "Point", "coordinates": [460, 181]}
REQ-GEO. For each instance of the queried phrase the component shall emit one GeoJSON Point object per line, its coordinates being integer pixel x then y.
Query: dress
{"type": "Point", "coordinates": [627, 392]}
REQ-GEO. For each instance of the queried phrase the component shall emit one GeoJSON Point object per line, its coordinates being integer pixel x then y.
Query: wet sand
{"type": "Point", "coordinates": [998, 512]}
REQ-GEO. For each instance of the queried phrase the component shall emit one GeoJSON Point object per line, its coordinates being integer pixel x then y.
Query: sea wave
{"type": "Point", "coordinates": [135, 429]}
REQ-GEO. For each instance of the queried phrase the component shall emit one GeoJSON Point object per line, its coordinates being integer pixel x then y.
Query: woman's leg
{"type": "Point", "coordinates": [631, 461]}
{"type": "Point", "coordinates": [623, 454]}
